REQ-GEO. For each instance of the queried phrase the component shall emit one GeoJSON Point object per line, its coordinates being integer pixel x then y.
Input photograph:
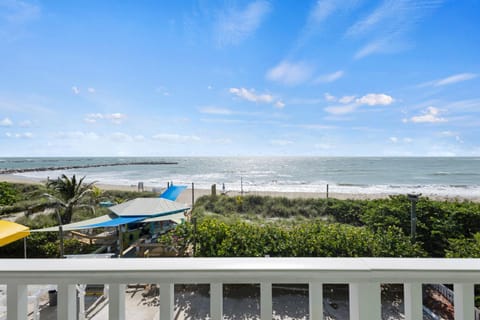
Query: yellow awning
{"type": "Point", "coordinates": [11, 231]}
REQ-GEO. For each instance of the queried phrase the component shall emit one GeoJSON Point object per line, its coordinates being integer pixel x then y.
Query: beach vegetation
{"type": "Point", "coordinates": [68, 193]}
{"type": "Point", "coordinates": [438, 222]}
{"type": "Point", "coordinates": [8, 195]}
{"type": "Point", "coordinates": [215, 238]}
{"type": "Point", "coordinates": [34, 209]}
{"type": "Point", "coordinates": [464, 247]}
{"type": "Point", "coordinates": [381, 226]}
{"type": "Point", "coordinates": [28, 198]}
{"type": "Point", "coordinates": [44, 245]}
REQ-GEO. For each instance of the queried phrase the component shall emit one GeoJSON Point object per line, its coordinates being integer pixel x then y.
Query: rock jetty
{"type": "Point", "coordinates": [142, 163]}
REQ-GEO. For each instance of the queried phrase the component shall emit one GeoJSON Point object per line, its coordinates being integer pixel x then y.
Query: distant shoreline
{"type": "Point", "coordinates": [186, 196]}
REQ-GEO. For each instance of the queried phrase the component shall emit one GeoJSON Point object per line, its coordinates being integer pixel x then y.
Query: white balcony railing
{"type": "Point", "coordinates": [363, 275]}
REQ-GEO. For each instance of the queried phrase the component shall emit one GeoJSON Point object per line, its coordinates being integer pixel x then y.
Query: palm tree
{"type": "Point", "coordinates": [68, 194]}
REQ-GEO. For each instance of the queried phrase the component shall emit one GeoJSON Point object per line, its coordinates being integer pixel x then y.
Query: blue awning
{"type": "Point", "coordinates": [172, 192]}
{"type": "Point", "coordinates": [115, 222]}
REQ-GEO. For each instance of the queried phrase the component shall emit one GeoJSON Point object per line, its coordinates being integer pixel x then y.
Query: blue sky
{"type": "Point", "coordinates": [253, 78]}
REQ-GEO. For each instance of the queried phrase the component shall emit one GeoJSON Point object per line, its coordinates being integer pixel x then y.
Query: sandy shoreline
{"type": "Point", "coordinates": [186, 196]}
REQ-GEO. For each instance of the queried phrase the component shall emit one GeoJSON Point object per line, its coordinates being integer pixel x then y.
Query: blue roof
{"type": "Point", "coordinates": [172, 192]}
{"type": "Point", "coordinates": [115, 222]}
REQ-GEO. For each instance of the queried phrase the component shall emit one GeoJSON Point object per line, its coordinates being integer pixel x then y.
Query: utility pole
{"type": "Point", "coordinates": [194, 221]}
{"type": "Point", "coordinates": [193, 195]}
{"type": "Point", "coordinates": [60, 232]}
{"type": "Point", "coordinates": [413, 215]}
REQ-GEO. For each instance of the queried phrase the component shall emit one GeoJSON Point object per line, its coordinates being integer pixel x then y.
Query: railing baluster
{"type": "Point", "coordinates": [363, 275]}
{"type": "Point", "coordinates": [116, 301]}
{"type": "Point", "coordinates": [67, 302]}
{"type": "Point", "coordinates": [166, 300]}
{"type": "Point", "coordinates": [463, 295]}
{"type": "Point", "coordinates": [17, 301]}
{"type": "Point", "coordinates": [365, 301]}
{"type": "Point", "coordinates": [412, 293]}
{"type": "Point", "coordinates": [266, 309]}
{"type": "Point", "coordinates": [216, 301]}
{"type": "Point", "coordinates": [315, 296]}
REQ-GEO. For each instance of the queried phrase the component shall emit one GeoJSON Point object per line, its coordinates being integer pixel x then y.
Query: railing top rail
{"type": "Point", "coordinates": [243, 264]}
{"type": "Point", "coordinates": [203, 270]}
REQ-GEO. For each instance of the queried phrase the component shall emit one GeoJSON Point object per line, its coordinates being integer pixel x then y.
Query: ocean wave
{"type": "Point", "coordinates": [441, 173]}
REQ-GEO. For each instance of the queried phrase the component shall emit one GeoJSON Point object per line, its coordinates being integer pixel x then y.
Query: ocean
{"type": "Point", "coordinates": [435, 176]}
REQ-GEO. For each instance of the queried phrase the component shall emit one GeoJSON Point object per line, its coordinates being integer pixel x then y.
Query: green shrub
{"type": "Point", "coordinates": [8, 195]}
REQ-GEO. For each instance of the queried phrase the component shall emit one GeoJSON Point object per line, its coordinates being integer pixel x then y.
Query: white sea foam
{"type": "Point", "coordinates": [445, 177]}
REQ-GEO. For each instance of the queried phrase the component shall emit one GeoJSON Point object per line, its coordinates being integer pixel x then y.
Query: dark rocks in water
{"type": "Point", "coordinates": [143, 163]}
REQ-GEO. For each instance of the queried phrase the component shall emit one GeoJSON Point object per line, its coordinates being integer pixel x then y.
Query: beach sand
{"type": "Point", "coordinates": [186, 196]}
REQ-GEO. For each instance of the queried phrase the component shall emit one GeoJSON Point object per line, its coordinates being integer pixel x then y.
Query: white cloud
{"type": "Point", "coordinates": [163, 91]}
{"type": "Point", "coordinates": [375, 46]}
{"type": "Point", "coordinates": [93, 117]}
{"type": "Point", "coordinates": [175, 138]}
{"type": "Point", "coordinates": [323, 146]}
{"type": "Point", "coordinates": [319, 13]}
{"type": "Point", "coordinates": [448, 133]}
{"type": "Point", "coordinates": [223, 141]}
{"type": "Point", "coordinates": [25, 123]}
{"type": "Point", "coordinates": [290, 73]}
{"type": "Point", "coordinates": [346, 99]}
{"type": "Point", "coordinates": [350, 104]}
{"type": "Point", "coordinates": [25, 135]}
{"type": "Point", "coordinates": [215, 110]}
{"type": "Point", "coordinates": [455, 78]}
{"type": "Point", "coordinates": [234, 26]}
{"type": "Point", "coordinates": [116, 118]}
{"type": "Point", "coordinates": [306, 101]}
{"type": "Point", "coordinates": [388, 25]}
{"type": "Point", "coordinates": [278, 142]}
{"type": "Point", "coordinates": [279, 104]}
{"type": "Point", "coordinates": [331, 77]}
{"type": "Point", "coordinates": [430, 115]}
{"type": "Point", "coordinates": [343, 109]}
{"type": "Point", "coordinates": [329, 97]}
{"type": "Point", "coordinates": [323, 9]}
{"type": "Point", "coordinates": [373, 99]}
{"type": "Point", "coordinates": [75, 90]}
{"type": "Point", "coordinates": [6, 122]}
{"type": "Point", "coordinates": [76, 135]}
{"type": "Point", "coordinates": [315, 127]}
{"type": "Point", "coordinates": [450, 80]}
{"type": "Point", "coordinates": [121, 137]}
{"type": "Point", "coordinates": [385, 14]}
{"type": "Point", "coordinates": [398, 140]}
{"type": "Point", "coordinates": [250, 95]}
{"type": "Point", "coordinates": [91, 90]}
{"type": "Point", "coordinates": [139, 137]}
{"type": "Point", "coordinates": [17, 12]}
